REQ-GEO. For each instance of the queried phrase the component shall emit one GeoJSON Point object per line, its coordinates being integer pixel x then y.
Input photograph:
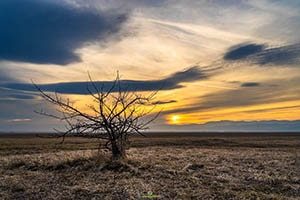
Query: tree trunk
{"type": "Point", "coordinates": [118, 150]}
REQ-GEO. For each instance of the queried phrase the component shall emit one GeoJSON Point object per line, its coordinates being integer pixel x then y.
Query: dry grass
{"type": "Point", "coordinates": [169, 168]}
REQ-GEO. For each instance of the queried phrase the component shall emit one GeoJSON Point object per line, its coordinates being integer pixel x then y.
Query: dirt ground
{"type": "Point", "coordinates": [216, 167]}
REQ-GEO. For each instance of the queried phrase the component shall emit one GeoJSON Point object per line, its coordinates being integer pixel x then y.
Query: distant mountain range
{"type": "Point", "coordinates": [240, 126]}
{"type": "Point", "coordinates": [217, 126]}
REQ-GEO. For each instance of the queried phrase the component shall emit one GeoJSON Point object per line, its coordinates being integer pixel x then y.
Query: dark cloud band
{"type": "Point", "coordinates": [242, 51]}
{"type": "Point", "coordinates": [172, 82]}
{"type": "Point", "coordinates": [44, 32]}
{"type": "Point", "coordinates": [263, 55]}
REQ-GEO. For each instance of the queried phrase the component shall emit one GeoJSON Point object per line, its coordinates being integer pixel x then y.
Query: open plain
{"type": "Point", "coordinates": [160, 166]}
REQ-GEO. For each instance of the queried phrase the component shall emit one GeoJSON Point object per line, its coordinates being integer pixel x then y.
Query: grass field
{"type": "Point", "coordinates": [161, 166]}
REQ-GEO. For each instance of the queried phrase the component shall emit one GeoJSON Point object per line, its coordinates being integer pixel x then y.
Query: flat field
{"type": "Point", "coordinates": [161, 166]}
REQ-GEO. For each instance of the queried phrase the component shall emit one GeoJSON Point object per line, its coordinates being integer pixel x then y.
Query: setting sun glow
{"type": "Point", "coordinates": [175, 119]}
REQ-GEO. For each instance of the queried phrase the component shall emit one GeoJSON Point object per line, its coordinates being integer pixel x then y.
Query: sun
{"type": "Point", "coordinates": [175, 119]}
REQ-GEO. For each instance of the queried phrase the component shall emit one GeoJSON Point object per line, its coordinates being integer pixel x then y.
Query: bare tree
{"type": "Point", "coordinates": [116, 113]}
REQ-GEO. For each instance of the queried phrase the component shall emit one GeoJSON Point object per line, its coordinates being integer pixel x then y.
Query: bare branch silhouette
{"type": "Point", "coordinates": [117, 114]}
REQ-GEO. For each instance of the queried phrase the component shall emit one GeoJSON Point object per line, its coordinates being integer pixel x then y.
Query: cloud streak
{"type": "Point", "coordinates": [19, 120]}
{"type": "Point", "coordinates": [250, 84]}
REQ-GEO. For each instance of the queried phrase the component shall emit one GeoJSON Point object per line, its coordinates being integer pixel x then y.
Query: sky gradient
{"type": "Point", "coordinates": [218, 64]}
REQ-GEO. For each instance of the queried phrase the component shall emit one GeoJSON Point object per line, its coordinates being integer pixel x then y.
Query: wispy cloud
{"type": "Point", "coordinates": [251, 94]}
{"type": "Point", "coordinates": [19, 120]}
{"type": "Point", "coordinates": [8, 94]}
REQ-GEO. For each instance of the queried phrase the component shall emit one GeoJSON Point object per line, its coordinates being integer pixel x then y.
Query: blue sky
{"type": "Point", "coordinates": [219, 60]}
